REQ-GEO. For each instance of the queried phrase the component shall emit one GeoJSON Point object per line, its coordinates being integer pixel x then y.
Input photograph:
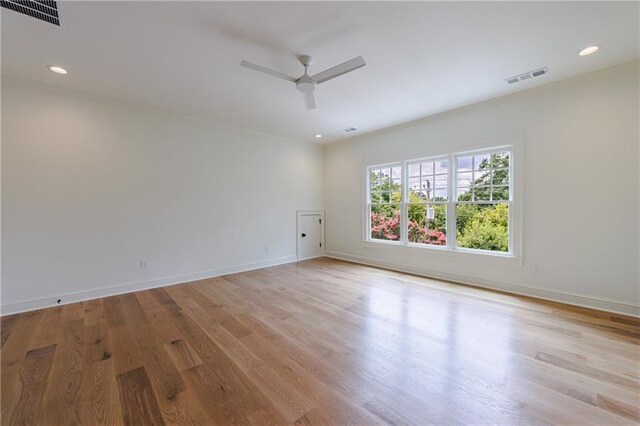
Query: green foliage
{"type": "Point", "coordinates": [486, 228]}
{"type": "Point", "coordinates": [464, 214]}
{"type": "Point", "coordinates": [385, 195]}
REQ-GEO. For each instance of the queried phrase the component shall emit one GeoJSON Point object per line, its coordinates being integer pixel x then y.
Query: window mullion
{"type": "Point", "coordinates": [451, 205]}
{"type": "Point", "coordinates": [404, 210]}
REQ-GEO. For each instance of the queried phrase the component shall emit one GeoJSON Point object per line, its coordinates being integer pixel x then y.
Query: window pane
{"type": "Point", "coordinates": [482, 161]}
{"type": "Point", "coordinates": [426, 183]}
{"type": "Point", "coordinates": [482, 178]}
{"type": "Point", "coordinates": [414, 184]}
{"type": "Point", "coordinates": [396, 172]}
{"type": "Point", "coordinates": [385, 222]}
{"type": "Point", "coordinates": [464, 194]}
{"type": "Point", "coordinates": [500, 177]}
{"type": "Point", "coordinates": [501, 160]}
{"type": "Point", "coordinates": [442, 166]}
{"type": "Point", "coordinates": [500, 193]}
{"type": "Point", "coordinates": [482, 193]}
{"type": "Point", "coordinates": [427, 224]}
{"type": "Point", "coordinates": [464, 164]}
{"type": "Point", "coordinates": [379, 179]}
{"type": "Point", "coordinates": [414, 169]}
{"type": "Point", "coordinates": [373, 177]}
{"type": "Point", "coordinates": [440, 195]}
{"type": "Point", "coordinates": [483, 226]}
{"type": "Point", "coordinates": [441, 181]}
{"type": "Point", "coordinates": [427, 168]}
{"type": "Point", "coordinates": [465, 179]}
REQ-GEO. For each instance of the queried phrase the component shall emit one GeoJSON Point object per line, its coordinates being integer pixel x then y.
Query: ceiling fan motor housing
{"type": "Point", "coordinates": [305, 84]}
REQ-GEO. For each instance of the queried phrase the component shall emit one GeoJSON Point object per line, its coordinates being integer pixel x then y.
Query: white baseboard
{"type": "Point", "coordinates": [33, 303]}
{"type": "Point", "coordinates": [315, 256]}
{"type": "Point", "coordinates": [615, 306]}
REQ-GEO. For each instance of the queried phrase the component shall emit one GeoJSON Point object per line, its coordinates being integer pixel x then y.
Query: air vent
{"type": "Point", "coordinates": [44, 10]}
{"type": "Point", "coordinates": [528, 75]}
{"type": "Point", "coordinates": [349, 130]}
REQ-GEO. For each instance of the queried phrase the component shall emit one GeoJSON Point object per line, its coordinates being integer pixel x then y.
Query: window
{"type": "Point", "coordinates": [483, 198]}
{"type": "Point", "coordinates": [385, 198]}
{"type": "Point", "coordinates": [461, 201]}
{"type": "Point", "coordinates": [427, 202]}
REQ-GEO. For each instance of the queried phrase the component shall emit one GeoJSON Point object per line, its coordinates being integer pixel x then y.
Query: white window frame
{"type": "Point", "coordinates": [514, 145]}
{"type": "Point", "coordinates": [368, 202]}
{"type": "Point", "coordinates": [405, 193]}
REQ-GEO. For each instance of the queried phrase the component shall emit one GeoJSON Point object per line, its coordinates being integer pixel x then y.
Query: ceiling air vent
{"type": "Point", "coordinates": [44, 10]}
{"type": "Point", "coordinates": [349, 130]}
{"type": "Point", "coordinates": [528, 75]}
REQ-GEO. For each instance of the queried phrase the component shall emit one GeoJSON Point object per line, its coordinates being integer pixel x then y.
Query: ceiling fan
{"type": "Point", "coordinates": [307, 83]}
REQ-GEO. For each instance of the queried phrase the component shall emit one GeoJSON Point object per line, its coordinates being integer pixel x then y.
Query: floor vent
{"type": "Point", "coordinates": [44, 10]}
{"type": "Point", "coordinates": [528, 75]}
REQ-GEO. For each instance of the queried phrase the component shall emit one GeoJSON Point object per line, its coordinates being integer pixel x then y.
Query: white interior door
{"type": "Point", "coordinates": [309, 234]}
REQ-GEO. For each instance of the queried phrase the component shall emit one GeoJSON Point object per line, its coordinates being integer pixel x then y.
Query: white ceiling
{"type": "Point", "coordinates": [423, 58]}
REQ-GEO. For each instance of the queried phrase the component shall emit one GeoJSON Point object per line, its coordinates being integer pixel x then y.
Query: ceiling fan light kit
{"type": "Point", "coordinates": [307, 84]}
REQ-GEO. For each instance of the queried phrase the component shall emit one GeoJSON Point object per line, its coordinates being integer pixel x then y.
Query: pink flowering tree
{"type": "Point", "coordinates": [420, 234]}
{"type": "Point", "coordinates": [385, 226]}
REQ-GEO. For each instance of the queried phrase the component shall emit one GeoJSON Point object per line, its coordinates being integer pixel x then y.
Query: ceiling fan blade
{"type": "Point", "coordinates": [265, 70]}
{"type": "Point", "coordinates": [338, 70]}
{"type": "Point", "coordinates": [309, 100]}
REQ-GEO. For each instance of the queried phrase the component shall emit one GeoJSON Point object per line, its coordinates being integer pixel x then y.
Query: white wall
{"type": "Point", "coordinates": [581, 207]}
{"type": "Point", "coordinates": [90, 187]}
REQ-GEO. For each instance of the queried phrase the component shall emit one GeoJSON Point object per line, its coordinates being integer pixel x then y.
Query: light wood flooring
{"type": "Point", "coordinates": [319, 342]}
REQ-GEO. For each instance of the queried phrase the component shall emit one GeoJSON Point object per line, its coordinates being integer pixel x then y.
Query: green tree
{"type": "Point", "coordinates": [384, 194]}
{"type": "Point", "coordinates": [483, 180]}
{"type": "Point", "coordinates": [487, 229]}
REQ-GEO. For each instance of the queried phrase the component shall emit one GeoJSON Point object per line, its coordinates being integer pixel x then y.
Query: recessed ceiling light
{"type": "Point", "coordinates": [318, 136]}
{"type": "Point", "coordinates": [588, 50]}
{"type": "Point", "coordinates": [58, 70]}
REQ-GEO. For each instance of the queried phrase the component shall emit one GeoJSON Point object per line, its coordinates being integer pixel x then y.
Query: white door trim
{"type": "Point", "coordinates": [309, 213]}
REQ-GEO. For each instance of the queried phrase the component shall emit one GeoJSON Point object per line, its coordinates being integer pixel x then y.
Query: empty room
{"type": "Point", "coordinates": [320, 213]}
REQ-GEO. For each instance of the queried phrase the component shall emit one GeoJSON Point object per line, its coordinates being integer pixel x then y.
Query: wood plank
{"type": "Point", "coordinates": [33, 382]}
{"type": "Point", "coordinates": [137, 399]}
{"type": "Point", "coordinates": [100, 404]}
{"type": "Point", "coordinates": [113, 312]}
{"type": "Point", "coordinates": [7, 323]}
{"type": "Point", "coordinates": [127, 354]}
{"type": "Point", "coordinates": [184, 357]}
{"type": "Point", "coordinates": [12, 356]}
{"type": "Point", "coordinates": [61, 401]}
{"type": "Point", "coordinates": [96, 342]}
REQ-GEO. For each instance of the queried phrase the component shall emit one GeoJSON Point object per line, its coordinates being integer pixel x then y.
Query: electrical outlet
{"type": "Point", "coordinates": [144, 264]}
{"type": "Point", "coordinates": [537, 268]}
{"type": "Point", "coordinates": [266, 249]}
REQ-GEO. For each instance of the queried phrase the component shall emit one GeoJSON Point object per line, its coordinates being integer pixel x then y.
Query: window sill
{"type": "Point", "coordinates": [447, 252]}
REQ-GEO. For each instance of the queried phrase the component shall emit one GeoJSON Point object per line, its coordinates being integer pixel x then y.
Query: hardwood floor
{"type": "Point", "coordinates": [319, 342]}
